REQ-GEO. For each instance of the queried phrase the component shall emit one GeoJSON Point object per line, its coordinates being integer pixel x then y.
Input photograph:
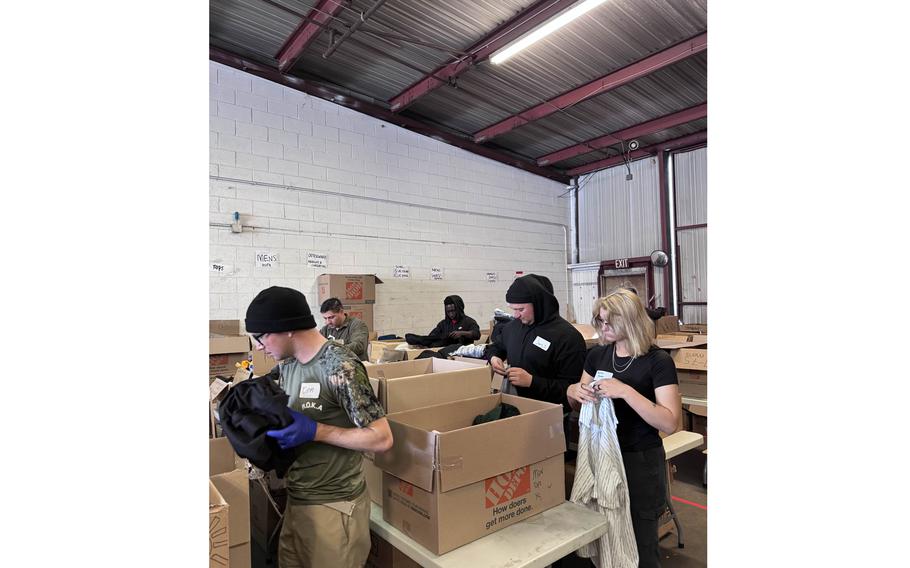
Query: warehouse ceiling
{"type": "Point", "coordinates": [628, 74]}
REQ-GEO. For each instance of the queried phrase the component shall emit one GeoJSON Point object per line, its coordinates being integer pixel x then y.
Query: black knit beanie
{"type": "Point", "coordinates": [521, 291]}
{"type": "Point", "coordinates": [279, 309]}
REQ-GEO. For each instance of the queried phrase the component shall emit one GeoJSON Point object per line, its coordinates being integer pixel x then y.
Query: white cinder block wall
{"type": "Point", "coordinates": [310, 176]}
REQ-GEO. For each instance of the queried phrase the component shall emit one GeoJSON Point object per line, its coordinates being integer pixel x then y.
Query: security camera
{"type": "Point", "coordinates": [633, 145]}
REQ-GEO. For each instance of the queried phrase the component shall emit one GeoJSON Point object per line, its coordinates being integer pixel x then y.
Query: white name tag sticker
{"type": "Point", "coordinates": [310, 390]}
{"type": "Point", "coordinates": [601, 375]}
{"type": "Point", "coordinates": [542, 343]}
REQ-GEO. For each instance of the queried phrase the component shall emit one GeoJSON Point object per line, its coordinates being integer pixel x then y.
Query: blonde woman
{"type": "Point", "coordinates": [641, 380]}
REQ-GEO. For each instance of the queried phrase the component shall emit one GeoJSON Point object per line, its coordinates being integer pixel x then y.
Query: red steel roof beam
{"type": "Point", "coordinates": [674, 144]}
{"type": "Point", "coordinates": [482, 50]}
{"type": "Point", "coordinates": [305, 33]}
{"type": "Point", "coordinates": [599, 86]}
{"type": "Point", "coordinates": [643, 129]}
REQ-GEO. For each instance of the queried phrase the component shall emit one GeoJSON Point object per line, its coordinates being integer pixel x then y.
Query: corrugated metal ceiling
{"type": "Point", "coordinates": [376, 69]}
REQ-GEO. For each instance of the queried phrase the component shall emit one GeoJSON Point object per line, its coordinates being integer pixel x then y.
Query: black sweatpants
{"type": "Point", "coordinates": [646, 475]}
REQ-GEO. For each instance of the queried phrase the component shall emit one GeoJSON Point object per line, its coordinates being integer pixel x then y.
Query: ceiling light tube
{"type": "Point", "coordinates": [544, 30]}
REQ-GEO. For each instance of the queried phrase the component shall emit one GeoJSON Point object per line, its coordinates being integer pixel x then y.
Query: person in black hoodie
{"type": "Point", "coordinates": [455, 327]}
{"type": "Point", "coordinates": [545, 353]}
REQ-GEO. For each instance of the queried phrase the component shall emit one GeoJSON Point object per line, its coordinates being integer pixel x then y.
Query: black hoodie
{"type": "Point", "coordinates": [439, 337]}
{"type": "Point", "coordinates": [550, 349]}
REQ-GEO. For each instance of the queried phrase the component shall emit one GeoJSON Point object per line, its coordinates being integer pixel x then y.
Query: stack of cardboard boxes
{"type": "Point", "coordinates": [357, 293]}
{"type": "Point", "coordinates": [229, 508]}
{"type": "Point", "coordinates": [447, 482]}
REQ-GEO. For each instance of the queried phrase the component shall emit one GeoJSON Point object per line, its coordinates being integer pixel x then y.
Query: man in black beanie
{"type": "Point", "coordinates": [336, 417]}
{"type": "Point", "coordinates": [455, 327]}
{"type": "Point", "coordinates": [545, 353]}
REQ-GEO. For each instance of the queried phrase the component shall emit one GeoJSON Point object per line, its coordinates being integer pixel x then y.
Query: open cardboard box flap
{"type": "Point", "coordinates": [439, 443]}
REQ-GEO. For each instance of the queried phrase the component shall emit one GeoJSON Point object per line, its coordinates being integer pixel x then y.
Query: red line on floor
{"type": "Point", "coordinates": [675, 498]}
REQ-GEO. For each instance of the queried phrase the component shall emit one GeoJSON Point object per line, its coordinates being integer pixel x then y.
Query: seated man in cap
{"type": "Point", "coordinates": [346, 330]}
{"type": "Point", "coordinates": [455, 327]}
{"type": "Point", "coordinates": [336, 418]}
{"type": "Point", "coordinates": [545, 353]}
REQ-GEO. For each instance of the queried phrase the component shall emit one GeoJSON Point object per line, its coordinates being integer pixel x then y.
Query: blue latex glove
{"type": "Point", "coordinates": [301, 431]}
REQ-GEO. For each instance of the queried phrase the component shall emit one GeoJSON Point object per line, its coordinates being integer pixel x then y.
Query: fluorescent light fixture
{"type": "Point", "coordinates": [544, 30]}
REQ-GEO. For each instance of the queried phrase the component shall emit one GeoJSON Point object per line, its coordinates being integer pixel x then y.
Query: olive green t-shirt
{"type": "Point", "coordinates": [332, 388]}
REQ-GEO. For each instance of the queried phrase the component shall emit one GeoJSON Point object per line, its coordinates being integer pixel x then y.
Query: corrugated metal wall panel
{"type": "Point", "coordinates": [691, 170]}
{"type": "Point", "coordinates": [584, 292]}
{"type": "Point", "coordinates": [695, 314]}
{"type": "Point", "coordinates": [693, 264]}
{"type": "Point", "coordinates": [619, 218]}
{"type": "Point", "coordinates": [691, 184]}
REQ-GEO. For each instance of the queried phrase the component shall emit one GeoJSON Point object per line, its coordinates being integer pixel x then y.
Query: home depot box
{"type": "Point", "coordinates": [219, 542]}
{"type": "Point", "coordinates": [384, 555]}
{"type": "Point", "coordinates": [588, 332]}
{"type": "Point", "coordinates": [349, 288]}
{"type": "Point", "coordinates": [446, 482]}
{"type": "Point", "coordinates": [692, 371]}
{"type": "Point", "coordinates": [225, 351]}
{"type": "Point", "coordinates": [233, 485]}
{"type": "Point", "coordinates": [363, 312]}
{"type": "Point", "coordinates": [413, 384]}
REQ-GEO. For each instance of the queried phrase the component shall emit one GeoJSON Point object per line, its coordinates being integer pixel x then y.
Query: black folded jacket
{"type": "Point", "coordinates": [247, 412]}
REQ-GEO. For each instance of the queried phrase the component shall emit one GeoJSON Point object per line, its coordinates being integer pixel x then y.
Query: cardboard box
{"type": "Point", "coordinates": [447, 482]}
{"type": "Point", "coordinates": [692, 372]}
{"type": "Point", "coordinates": [694, 328]}
{"type": "Point", "coordinates": [672, 343]}
{"type": "Point", "coordinates": [226, 327]}
{"type": "Point", "coordinates": [362, 312]}
{"type": "Point", "coordinates": [666, 324]}
{"type": "Point", "coordinates": [589, 333]}
{"type": "Point", "coordinates": [234, 486]}
{"type": "Point", "coordinates": [219, 541]}
{"type": "Point", "coordinates": [384, 555]}
{"type": "Point", "coordinates": [349, 288]}
{"type": "Point", "coordinates": [375, 348]}
{"type": "Point", "coordinates": [225, 351]}
{"type": "Point", "coordinates": [262, 363]}
{"type": "Point", "coordinates": [373, 477]}
{"type": "Point", "coordinates": [414, 384]}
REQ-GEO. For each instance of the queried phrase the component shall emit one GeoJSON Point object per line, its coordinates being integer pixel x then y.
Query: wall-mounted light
{"type": "Point", "coordinates": [544, 30]}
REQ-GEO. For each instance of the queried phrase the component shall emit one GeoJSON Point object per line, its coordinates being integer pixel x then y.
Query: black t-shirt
{"type": "Point", "coordinates": [652, 370]}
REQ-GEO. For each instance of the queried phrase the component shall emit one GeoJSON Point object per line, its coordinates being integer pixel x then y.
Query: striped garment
{"type": "Point", "coordinates": [600, 485]}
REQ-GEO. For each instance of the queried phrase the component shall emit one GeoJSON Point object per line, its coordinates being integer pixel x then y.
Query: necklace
{"type": "Point", "coordinates": [624, 369]}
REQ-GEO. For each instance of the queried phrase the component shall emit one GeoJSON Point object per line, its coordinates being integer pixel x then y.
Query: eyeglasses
{"type": "Point", "coordinates": [601, 322]}
{"type": "Point", "coordinates": [258, 337]}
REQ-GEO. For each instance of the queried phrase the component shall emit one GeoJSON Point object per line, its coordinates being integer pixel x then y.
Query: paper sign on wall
{"type": "Point", "coordinates": [492, 276]}
{"type": "Point", "coordinates": [266, 259]}
{"type": "Point", "coordinates": [317, 260]}
{"type": "Point", "coordinates": [435, 273]}
{"type": "Point", "coordinates": [221, 268]}
{"type": "Point", "coordinates": [401, 271]}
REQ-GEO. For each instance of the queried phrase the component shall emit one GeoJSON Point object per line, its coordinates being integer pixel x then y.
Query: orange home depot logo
{"type": "Point", "coordinates": [406, 488]}
{"type": "Point", "coordinates": [353, 290]}
{"type": "Point", "coordinates": [503, 488]}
